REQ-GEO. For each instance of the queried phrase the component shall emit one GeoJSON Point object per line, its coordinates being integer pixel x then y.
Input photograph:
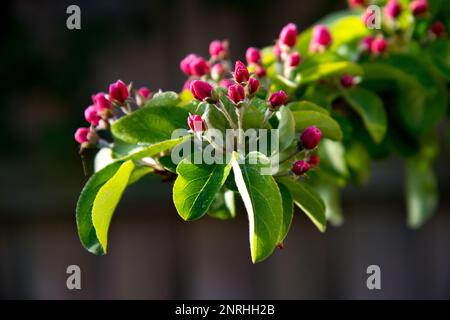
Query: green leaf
{"type": "Point", "coordinates": [307, 106]}
{"type": "Point", "coordinates": [263, 202]}
{"type": "Point", "coordinates": [286, 127]}
{"type": "Point", "coordinates": [223, 206]}
{"type": "Point", "coordinates": [307, 200]}
{"type": "Point", "coordinates": [330, 70]}
{"type": "Point", "coordinates": [332, 155]}
{"type": "Point", "coordinates": [330, 195]}
{"type": "Point", "coordinates": [163, 99]}
{"type": "Point", "coordinates": [329, 127]}
{"type": "Point", "coordinates": [86, 230]}
{"type": "Point", "coordinates": [358, 160]}
{"type": "Point", "coordinates": [288, 211]}
{"type": "Point", "coordinates": [346, 30]}
{"type": "Point", "coordinates": [370, 108]}
{"type": "Point", "coordinates": [150, 125]}
{"type": "Point", "coordinates": [107, 199]}
{"type": "Point", "coordinates": [103, 158]}
{"type": "Point", "coordinates": [196, 186]}
{"type": "Point", "coordinates": [152, 150]}
{"type": "Point", "coordinates": [421, 192]}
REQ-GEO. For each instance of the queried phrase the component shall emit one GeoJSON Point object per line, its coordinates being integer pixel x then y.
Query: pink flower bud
{"type": "Point", "coordinates": [144, 92]}
{"type": "Point", "coordinates": [288, 35]}
{"type": "Point", "coordinates": [314, 160]}
{"type": "Point", "coordinates": [217, 48]}
{"type": "Point", "coordinates": [241, 73]}
{"type": "Point", "coordinates": [201, 90]}
{"type": "Point", "coordinates": [226, 83]}
{"type": "Point", "coordinates": [100, 102]}
{"type": "Point", "coordinates": [217, 71]}
{"type": "Point", "coordinates": [321, 35]}
{"type": "Point", "coordinates": [185, 64]}
{"type": "Point", "coordinates": [91, 115]}
{"type": "Point", "coordinates": [310, 138]}
{"type": "Point", "coordinates": [392, 9]}
{"type": "Point", "coordinates": [253, 56]}
{"type": "Point", "coordinates": [236, 93]}
{"type": "Point", "coordinates": [118, 91]}
{"type": "Point", "coordinates": [379, 46]}
{"type": "Point", "coordinates": [260, 71]}
{"type": "Point", "coordinates": [294, 60]}
{"type": "Point", "coordinates": [419, 7]}
{"type": "Point", "coordinates": [196, 123]}
{"type": "Point", "coordinates": [252, 86]}
{"type": "Point", "coordinates": [366, 43]}
{"type": "Point", "coordinates": [82, 135]}
{"type": "Point", "coordinates": [199, 67]}
{"type": "Point", "coordinates": [187, 85]}
{"type": "Point", "coordinates": [347, 81]}
{"type": "Point", "coordinates": [356, 3]}
{"type": "Point", "coordinates": [300, 167]}
{"type": "Point", "coordinates": [438, 29]}
{"type": "Point", "coordinates": [277, 99]}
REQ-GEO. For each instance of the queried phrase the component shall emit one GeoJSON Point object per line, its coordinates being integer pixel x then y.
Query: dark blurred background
{"type": "Point", "coordinates": [48, 74]}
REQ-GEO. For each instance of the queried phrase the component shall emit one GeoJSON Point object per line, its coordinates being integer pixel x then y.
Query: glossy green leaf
{"type": "Point", "coordinates": [86, 231]}
{"type": "Point", "coordinates": [307, 106]}
{"type": "Point", "coordinates": [286, 127]}
{"type": "Point", "coordinates": [307, 200]}
{"type": "Point", "coordinates": [332, 157]}
{"type": "Point", "coordinates": [150, 125]}
{"type": "Point", "coordinates": [163, 99]}
{"type": "Point", "coordinates": [329, 70]}
{"type": "Point", "coordinates": [288, 211]}
{"type": "Point", "coordinates": [263, 202]}
{"type": "Point", "coordinates": [196, 187]}
{"type": "Point", "coordinates": [329, 127]}
{"type": "Point", "coordinates": [421, 192]}
{"type": "Point", "coordinates": [141, 152]}
{"type": "Point", "coordinates": [107, 199]}
{"type": "Point", "coordinates": [330, 195]}
{"type": "Point", "coordinates": [223, 206]}
{"type": "Point", "coordinates": [370, 108]}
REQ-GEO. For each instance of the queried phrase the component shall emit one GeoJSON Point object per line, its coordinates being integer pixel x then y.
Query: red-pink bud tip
{"type": "Point", "coordinates": [236, 93]}
{"type": "Point", "coordinates": [438, 29]}
{"type": "Point", "coordinates": [217, 48]}
{"type": "Point", "coordinates": [253, 56]}
{"type": "Point", "coordinates": [314, 160]}
{"type": "Point", "coordinates": [185, 64]}
{"type": "Point", "coordinates": [379, 46]}
{"type": "Point", "coordinates": [201, 90]}
{"type": "Point", "coordinates": [277, 99]}
{"type": "Point", "coordinates": [226, 83]}
{"type": "Point", "coordinates": [393, 9]}
{"type": "Point", "coordinates": [347, 81]}
{"type": "Point", "coordinates": [321, 39]}
{"type": "Point", "coordinates": [294, 60]}
{"type": "Point", "coordinates": [144, 92]}
{"type": "Point", "coordinates": [100, 102]}
{"type": "Point", "coordinates": [300, 167]}
{"type": "Point", "coordinates": [199, 67]}
{"type": "Point", "coordinates": [260, 72]}
{"type": "Point", "coordinates": [241, 73]}
{"type": "Point", "coordinates": [419, 7]}
{"type": "Point", "coordinates": [310, 138]}
{"type": "Point", "coordinates": [82, 135]}
{"type": "Point", "coordinates": [356, 3]}
{"type": "Point", "coordinates": [196, 123]}
{"type": "Point", "coordinates": [91, 115]}
{"type": "Point", "coordinates": [217, 71]}
{"type": "Point", "coordinates": [366, 43]}
{"type": "Point", "coordinates": [118, 91]}
{"type": "Point", "coordinates": [288, 35]}
{"type": "Point", "coordinates": [252, 86]}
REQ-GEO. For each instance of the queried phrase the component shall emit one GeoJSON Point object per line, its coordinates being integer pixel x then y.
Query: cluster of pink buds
{"type": "Point", "coordinates": [284, 49]}
{"type": "Point", "coordinates": [375, 46]}
{"type": "Point", "coordinates": [216, 68]}
{"type": "Point", "coordinates": [310, 139]}
{"type": "Point", "coordinates": [103, 109]}
{"type": "Point", "coordinates": [393, 9]}
{"type": "Point", "coordinates": [253, 57]}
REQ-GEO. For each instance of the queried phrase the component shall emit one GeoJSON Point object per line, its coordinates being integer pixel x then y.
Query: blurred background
{"type": "Point", "coordinates": [48, 74]}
